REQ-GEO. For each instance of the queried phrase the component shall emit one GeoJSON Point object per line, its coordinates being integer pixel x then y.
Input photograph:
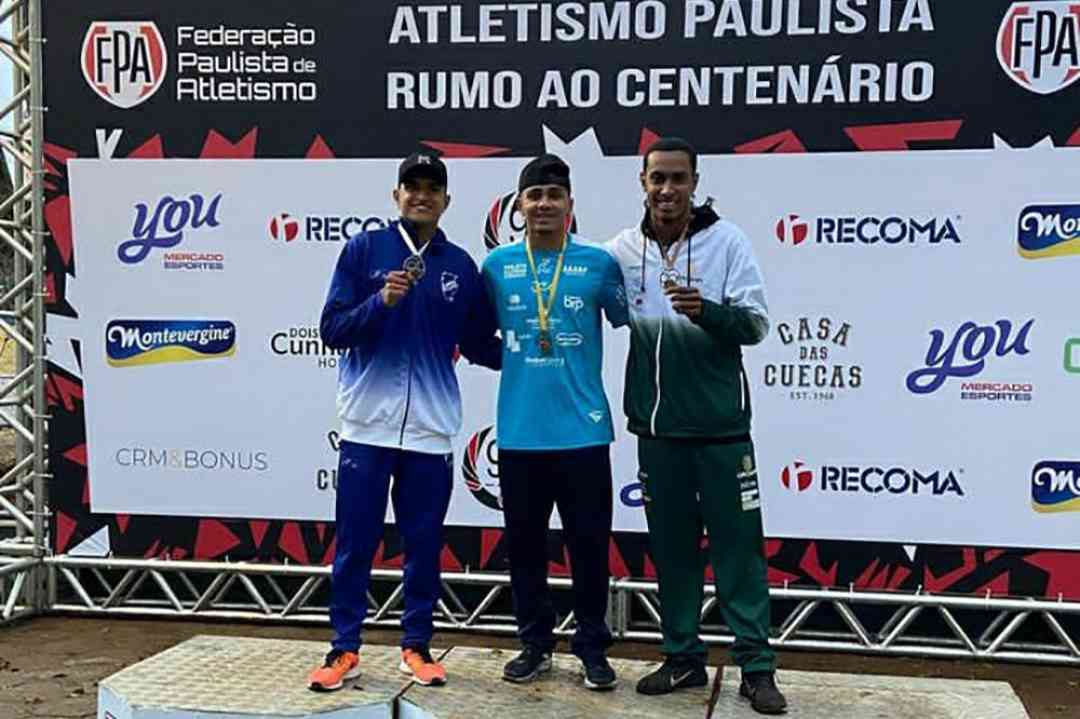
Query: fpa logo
{"type": "Point", "coordinates": [1038, 44]}
{"type": "Point", "coordinates": [124, 62]}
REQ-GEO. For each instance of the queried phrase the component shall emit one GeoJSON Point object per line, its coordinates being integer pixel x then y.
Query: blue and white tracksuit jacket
{"type": "Point", "coordinates": [400, 406]}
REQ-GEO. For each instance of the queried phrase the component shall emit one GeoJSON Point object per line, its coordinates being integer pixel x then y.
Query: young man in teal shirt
{"type": "Point", "coordinates": [554, 423]}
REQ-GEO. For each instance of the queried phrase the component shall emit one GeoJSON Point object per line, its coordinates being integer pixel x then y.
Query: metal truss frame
{"type": "Point", "coordinates": [23, 501]}
{"type": "Point", "coordinates": [32, 581]}
{"type": "Point", "coordinates": [875, 623]}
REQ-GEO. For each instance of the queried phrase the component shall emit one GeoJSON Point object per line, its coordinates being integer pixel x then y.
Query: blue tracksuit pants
{"type": "Point", "coordinates": [421, 495]}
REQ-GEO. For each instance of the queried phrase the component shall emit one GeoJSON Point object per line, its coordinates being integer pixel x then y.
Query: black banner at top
{"type": "Point", "coordinates": [374, 79]}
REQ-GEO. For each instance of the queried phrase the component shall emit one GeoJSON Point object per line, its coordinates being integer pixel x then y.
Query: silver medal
{"type": "Point", "coordinates": [414, 267]}
{"type": "Point", "coordinates": [669, 277]}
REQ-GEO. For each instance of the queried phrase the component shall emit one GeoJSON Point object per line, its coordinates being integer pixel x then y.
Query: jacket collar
{"type": "Point", "coordinates": [436, 241]}
{"type": "Point", "coordinates": [701, 218]}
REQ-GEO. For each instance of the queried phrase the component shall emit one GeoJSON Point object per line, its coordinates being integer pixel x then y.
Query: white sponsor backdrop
{"type": "Point", "coordinates": [891, 296]}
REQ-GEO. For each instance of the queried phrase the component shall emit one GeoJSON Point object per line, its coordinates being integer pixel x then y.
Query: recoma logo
{"type": "Point", "coordinates": [792, 229]}
{"type": "Point", "coordinates": [164, 226]}
{"type": "Point", "coordinates": [966, 354]}
{"type": "Point", "coordinates": [881, 480]}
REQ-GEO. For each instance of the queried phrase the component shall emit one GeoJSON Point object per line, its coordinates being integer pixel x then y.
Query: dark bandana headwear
{"type": "Point", "coordinates": [545, 170]}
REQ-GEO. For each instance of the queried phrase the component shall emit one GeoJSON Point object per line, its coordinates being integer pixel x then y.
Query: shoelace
{"type": "Point", "coordinates": [675, 668]}
{"type": "Point", "coordinates": [334, 658]}
{"type": "Point", "coordinates": [424, 655]}
{"type": "Point", "coordinates": [763, 682]}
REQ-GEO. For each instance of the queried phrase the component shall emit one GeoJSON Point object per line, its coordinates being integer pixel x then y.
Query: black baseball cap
{"type": "Point", "coordinates": [545, 170]}
{"type": "Point", "coordinates": [422, 164]}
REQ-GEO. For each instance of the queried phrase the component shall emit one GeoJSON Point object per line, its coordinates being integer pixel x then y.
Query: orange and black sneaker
{"type": "Point", "coordinates": [338, 666]}
{"type": "Point", "coordinates": [424, 670]}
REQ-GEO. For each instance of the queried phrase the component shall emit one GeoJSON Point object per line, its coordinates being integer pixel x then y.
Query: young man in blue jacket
{"type": "Point", "coordinates": [401, 300]}
{"type": "Point", "coordinates": [554, 423]}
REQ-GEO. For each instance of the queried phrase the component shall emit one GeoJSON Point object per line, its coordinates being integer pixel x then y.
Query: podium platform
{"type": "Point", "coordinates": [240, 678]}
{"type": "Point", "coordinates": [812, 695]}
{"type": "Point", "coordinates": [480, 688]}
{"type": "Point", "coordinates": [210, 677]}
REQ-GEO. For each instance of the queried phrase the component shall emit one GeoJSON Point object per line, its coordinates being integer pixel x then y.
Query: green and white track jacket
{"type": "Point", "coordinates": [685, 379]}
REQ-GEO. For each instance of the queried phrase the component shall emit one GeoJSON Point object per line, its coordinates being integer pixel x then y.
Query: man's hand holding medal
{"type": "Point", "coordinates": [685, 300]}
{"type": "Point", "coordinates": [398, 284]}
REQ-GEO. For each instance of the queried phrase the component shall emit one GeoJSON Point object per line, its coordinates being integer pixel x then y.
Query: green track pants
{"type": "Point", "coordinates": [688, 483]}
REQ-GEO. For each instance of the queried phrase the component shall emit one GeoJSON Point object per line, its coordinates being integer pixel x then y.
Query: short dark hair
{"type": "Point", "coordinates": [671, 144]}
{"type": "Point", "coordinates": [547, 169]}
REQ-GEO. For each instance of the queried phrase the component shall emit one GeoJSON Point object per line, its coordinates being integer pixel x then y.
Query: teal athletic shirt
{"type": "Point", "coordinates": [555, 401]}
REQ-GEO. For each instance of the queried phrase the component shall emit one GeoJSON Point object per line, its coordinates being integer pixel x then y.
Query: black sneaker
{"type": "Point", "coordinates": [677, 672]}
{"type": "Point", "coordinates": [598, 674]}
{"type": "Point", "coordinates": [528, 665]}
{"type": "Point", "coordinates": [760, 688]}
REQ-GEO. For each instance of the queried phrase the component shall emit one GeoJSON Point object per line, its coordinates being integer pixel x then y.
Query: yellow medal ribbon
{"type": "Point", "coordinates": [543, 309]}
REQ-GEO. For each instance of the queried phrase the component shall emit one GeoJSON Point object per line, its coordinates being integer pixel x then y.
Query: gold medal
{"type": "Point", "coordinates": [543, 308]}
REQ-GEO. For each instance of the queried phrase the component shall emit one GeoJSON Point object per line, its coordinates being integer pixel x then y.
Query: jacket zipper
{"type": "Point", "coordinates": [408, 397]}
{"type": "Point", "coordinates": [742, 391]}
{"type": "Point", "coordinates": [656, 405]}
{"type": "Point", "coordinates": [408, 401]}
{"type": "Point", "coordinates": [659, 341]}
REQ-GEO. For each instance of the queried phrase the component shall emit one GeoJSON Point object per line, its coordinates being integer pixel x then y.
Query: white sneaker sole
{"type": "Point", "coordinates": [600, 687]}
{"type": "Point", "coordinates": [404, 669]}
{"type": "Point", "coordinates": [351, 674]}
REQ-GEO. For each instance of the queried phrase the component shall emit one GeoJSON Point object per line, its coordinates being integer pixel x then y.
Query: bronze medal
{"type": "Point", "coordinates": [544, 340]}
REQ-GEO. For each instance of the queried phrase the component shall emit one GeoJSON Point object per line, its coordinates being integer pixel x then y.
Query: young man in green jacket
{"type": "Point", "coordinates": [696, 296]}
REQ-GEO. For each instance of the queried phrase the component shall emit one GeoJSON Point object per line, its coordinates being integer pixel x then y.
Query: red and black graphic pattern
{"type": "Point", "coordinates": [973, 103]}
{"type": "Point", "coordinates": [863, 565]}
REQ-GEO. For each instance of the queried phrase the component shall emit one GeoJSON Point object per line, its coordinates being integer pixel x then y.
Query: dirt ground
{"type": "Point", "coordinates": [49, 667]}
